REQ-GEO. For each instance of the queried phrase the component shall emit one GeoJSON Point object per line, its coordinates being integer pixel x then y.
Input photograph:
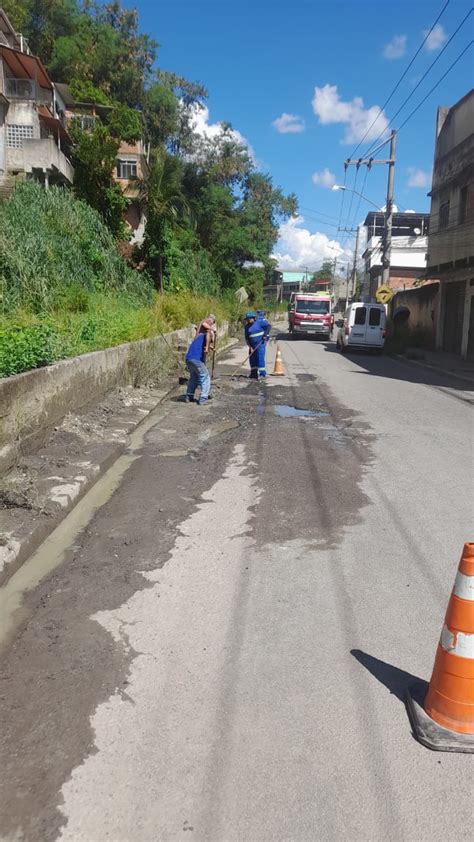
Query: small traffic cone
{"type": "Point", "coordinates": [279, 370]}
{"type": "Point", "coordinates": [446, 720]}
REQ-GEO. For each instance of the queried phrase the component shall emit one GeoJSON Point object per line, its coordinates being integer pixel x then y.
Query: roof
{"type": "Point", "coordinates": [70, 103]}
{"type": "Point", "coordinates": [51, 121]}
{"type": "Point", "coordinates": [403, 224]}
{"type": "Point", "coordinates": [25, 66]}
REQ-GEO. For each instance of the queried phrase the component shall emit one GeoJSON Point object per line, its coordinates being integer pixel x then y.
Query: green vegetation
{"type": "Point", "coordinates": [65, 290]}
{"type": "Point", "coordinates": [54, 250]}
{"type": "Point", "coordinates": [212, 217]}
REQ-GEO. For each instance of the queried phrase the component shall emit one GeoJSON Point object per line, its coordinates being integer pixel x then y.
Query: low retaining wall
{"type": "Point", "coordinates": [34, 402]}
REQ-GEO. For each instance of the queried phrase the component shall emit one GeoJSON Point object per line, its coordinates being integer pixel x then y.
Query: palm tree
{"type": "Point", "coordinates": [162, 196]}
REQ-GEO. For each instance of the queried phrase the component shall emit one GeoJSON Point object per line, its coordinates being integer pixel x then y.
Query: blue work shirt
{"type": "Point", "coordinates": [255, 332]}
{"type": "Point", "coordinates": [196, 348]}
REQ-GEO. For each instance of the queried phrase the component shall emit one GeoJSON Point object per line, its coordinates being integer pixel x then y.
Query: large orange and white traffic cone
{"type": "Point", "coordinates": [278, 370]}
{"type": "Point", "coordinates": [445, 720]}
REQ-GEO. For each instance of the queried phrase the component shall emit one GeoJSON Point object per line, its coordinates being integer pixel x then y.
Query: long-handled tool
{"type": "Point", "coordinates": [214, 355]}
{"type": "Point", "coordinates": [250, 351]}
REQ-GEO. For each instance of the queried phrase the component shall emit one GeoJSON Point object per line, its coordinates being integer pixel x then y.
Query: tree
{"type": "Point", "coordinates": [263, 207]}
{"type": "Point", "coordinates": [326, 271]}
{"type": "Point", "coordinates": [94, 154]}
{"type": "Point", "coordinates": [166, 205]}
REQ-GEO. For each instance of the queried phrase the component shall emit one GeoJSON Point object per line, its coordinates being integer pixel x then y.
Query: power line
{"type": "Point", "coordinates": [392, 119]}
{"type": "Point", "coordinates": [466, 48]}
{"type": "Point", "coordinates": [320, 213]}
{"type": "Point", "coordinates": [401, 78]}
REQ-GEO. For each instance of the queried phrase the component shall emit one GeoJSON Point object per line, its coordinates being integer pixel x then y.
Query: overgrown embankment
{"type": "Point", "coordinates": [66, 290]}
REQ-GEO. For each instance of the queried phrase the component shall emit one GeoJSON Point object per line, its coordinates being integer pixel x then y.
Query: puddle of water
{"type": "Point", "coordinates": [52, 551]}
{"type": "Point", "coordinates": [286, 411]}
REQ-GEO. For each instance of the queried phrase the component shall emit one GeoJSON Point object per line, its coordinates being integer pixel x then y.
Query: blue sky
{"type": "Point", "coordinates": [319, 62]}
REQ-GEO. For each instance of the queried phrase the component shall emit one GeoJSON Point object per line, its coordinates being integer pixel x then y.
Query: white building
{"type": "Point", "coordinates": [408, 250]}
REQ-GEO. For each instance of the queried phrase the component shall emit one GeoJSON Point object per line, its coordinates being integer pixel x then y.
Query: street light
{"type": "Point", "coordinates": [342, 187]}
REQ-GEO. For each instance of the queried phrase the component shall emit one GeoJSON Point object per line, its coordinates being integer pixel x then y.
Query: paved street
{"type": "Point", "coordinates": [223, 651]}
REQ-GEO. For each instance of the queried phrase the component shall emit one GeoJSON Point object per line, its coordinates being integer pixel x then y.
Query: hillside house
{"type": "Point", "coordinates": [34, 142]}
{"type": "Point", "coordinates": [132, 158]}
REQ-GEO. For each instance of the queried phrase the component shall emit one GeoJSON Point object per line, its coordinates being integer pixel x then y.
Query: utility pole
{"type": "Point", "coordinates": [354, 265]}
{"type": "Point", "coordinates": [348, 276]}
{"type": "Point", "coordinates": [387, 238]}
{"type": "Point", "coordinates": [388, 216]}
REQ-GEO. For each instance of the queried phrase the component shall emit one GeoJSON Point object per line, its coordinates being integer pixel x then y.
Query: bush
{"type": "Point", "coordinates": [32, 341]}
{"type": "Point", "coordinates": [25, 347]}
{"type": "Point", "coordinates": [51, 241]}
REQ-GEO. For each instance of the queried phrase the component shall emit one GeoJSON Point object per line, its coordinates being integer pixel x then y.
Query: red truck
{"type": "Point", "coordinates": [310, 315]}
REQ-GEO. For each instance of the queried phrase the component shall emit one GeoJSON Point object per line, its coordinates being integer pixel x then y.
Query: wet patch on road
{"type": "Point", "coordinates": [285, 411]}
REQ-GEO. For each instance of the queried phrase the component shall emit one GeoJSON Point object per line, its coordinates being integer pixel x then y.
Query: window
{"type": "Point", "coordinates": [126, 168]}
{"type": "Point", "coordinates": [466, 204]}
{"type": "Point", "coordinates": [360, 315]}
{"type": "Point", "coordinates": [17, 134]}
{"type": "Point", "coordinates": [311, 306]}
{"type": "Point", "coordinates": [444, 215]}
{"type": "Point", "coordinates": [20, 88]}
{"type": "Point", "coordinates": [86, 121]}
{"type": "Point", "coordinates": [374, 316]}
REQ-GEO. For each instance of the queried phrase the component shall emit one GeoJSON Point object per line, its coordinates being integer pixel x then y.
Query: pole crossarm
{"type": "Point", "coordinates": [368, 162]}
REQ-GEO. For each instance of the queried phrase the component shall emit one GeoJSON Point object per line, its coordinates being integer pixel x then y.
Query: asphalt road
{"type": "Point", "coordinates": [225, 648]}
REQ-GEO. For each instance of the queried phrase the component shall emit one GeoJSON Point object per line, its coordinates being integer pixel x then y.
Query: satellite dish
{"type": "Point", "coordinates": [417, 231]}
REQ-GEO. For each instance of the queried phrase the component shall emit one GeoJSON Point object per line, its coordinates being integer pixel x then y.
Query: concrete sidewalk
{"type": "Point", "coordinates": [451, 364]}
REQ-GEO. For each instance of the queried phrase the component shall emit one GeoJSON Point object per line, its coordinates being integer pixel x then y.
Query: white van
{"type": "Point", "coordinates": [364, 326]}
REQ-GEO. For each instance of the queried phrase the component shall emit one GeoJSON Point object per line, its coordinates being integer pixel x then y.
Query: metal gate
{"type": "Point", "coordinates": [454, 295]}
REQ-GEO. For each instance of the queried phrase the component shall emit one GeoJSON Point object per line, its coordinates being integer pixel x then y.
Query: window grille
{"type": "Point", "coordinates": [17, 134]}
{"type": "Point", "coordinates": [444, 215]}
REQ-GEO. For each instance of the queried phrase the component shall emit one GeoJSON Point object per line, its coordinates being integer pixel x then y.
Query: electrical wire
{"type": "Point", "coordinates": [420, 81]}
{"type": "Point", "coordinates": [454, 63]}
{"type": "Point", "coordinates": [320, 213]}
{"type": "Point", "coordinates": [401, 77]}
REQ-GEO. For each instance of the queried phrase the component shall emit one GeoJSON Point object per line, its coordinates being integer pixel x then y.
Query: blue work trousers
{"type": "Point", "coordinates": [257, 362]}
{"type": "Point", "coordinates": [199, 376]}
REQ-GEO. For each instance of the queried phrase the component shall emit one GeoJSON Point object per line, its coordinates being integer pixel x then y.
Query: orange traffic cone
{"type": "Point", "coordinates": [446, 720]}
{"type": "Point", "coordinates": [278, 371]}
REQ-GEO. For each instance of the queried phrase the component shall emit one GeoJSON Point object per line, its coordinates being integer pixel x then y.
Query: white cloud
{"type": "Point", "coordinates": [330, 108]}
{"type": "Point", "coordinates": [298, 248]}
{"type": "Point", "coordinates": [396, 48]}
{"type": "Point", "coordinates": [436, 39]}
{"type": "Point", "coordinates": [325, 178]}
{"type": "Point", "coordinates": [288, 124]}
{"type": "Point", "coordinates": [202, 126]}
{"type": "Point", "coordinates": [418, 178]}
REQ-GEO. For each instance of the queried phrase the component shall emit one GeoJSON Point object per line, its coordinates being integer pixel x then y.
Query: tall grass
{"type": "Point", "coordinates": [51, 244]}
{"type": "Point", "coordinates": [65, 289]}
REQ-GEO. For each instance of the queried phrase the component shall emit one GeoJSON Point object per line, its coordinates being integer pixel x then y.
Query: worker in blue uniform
{"type": "Point", "coordinates": [257, 332]}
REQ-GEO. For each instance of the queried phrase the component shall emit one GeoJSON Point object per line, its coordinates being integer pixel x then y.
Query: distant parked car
{"type": "Point", "coordinates": [364, 327]}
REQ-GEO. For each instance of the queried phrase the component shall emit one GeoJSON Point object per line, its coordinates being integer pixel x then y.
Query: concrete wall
{"type": "Point", "coordinates": [34, 402]}
{"type": "Point", "coordinates": [423, 304]}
